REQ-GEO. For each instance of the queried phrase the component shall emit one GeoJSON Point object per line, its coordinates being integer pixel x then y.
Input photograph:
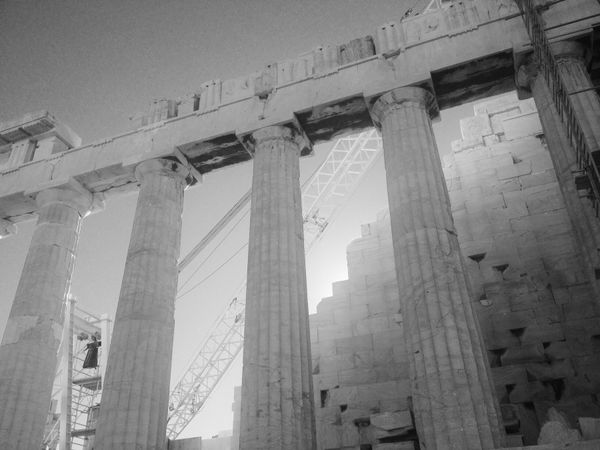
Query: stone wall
{"type": "Point", "coordinates": [537, 312]}
{"type": "Point", "coordinates": [540, 323]}
{"type": "Point", "coordinates": [359, 365]}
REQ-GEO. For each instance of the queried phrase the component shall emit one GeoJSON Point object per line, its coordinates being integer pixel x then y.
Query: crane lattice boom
{"type": "Point", "coordinates": [323, 196]}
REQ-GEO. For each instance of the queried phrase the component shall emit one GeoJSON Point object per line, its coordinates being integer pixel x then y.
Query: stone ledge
{"type": "Point", "coordinates": [582, 445]}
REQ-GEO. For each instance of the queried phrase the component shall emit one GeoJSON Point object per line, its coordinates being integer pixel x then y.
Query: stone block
{"type": "Point", "coordinates": [524, 300]}
{"type": "Point", "coordinates": [338, 331]}
{"type": "Point", "coordinates": [336, 363]}
{"type": "Point", "coordinates": [541, 162]}
{"type": "Point", "coordinates": [514, 440]}
{"type": "Point", "coordinates": [187, 444]}
{"type": "Point", "coordinates": [516, 170]}
{"type": "Point", "coordinates": [353, 344]}
{"type": "Point", "coordinates": [550, 371]}
{"type": "Point", "coordinates": [549, 199]}
{"type": "Point", "coordinates": [491, 140]}
{"type": "Point", "coordinates": [344, 395]}
{"type": "Point", "coordinates": [340, 288]}
{"type": "Point", "coordinates": [357, 376]}
{"type": "Point", "coordinates": [529, 424]}
{"type": "Point", "coordinates": [521, 125]}
{"type": "Point", "coordinates": [325, 347]}
{"type": "Point", "coordinates": [538, 179]}
{"type": "Point", "coordinates": [408, 445]}
{"type": "Point", "coordinates": [372, 324]}
{"type": "Point", "coordinates": [507, 375]}
{"type": "Point", "coordinates": [330, 304]}
{"type": "Point", "coordinates": [548, 314]}
{"type": "Point", "coordinates": [466, 144]}
{"type": "Point", "coordinates": [475, 127]}
{"type": "Point", "coordinates": [389, 338]}
{"type": "Point", "coordinates": [497, 104]}
{"type": "Point", "coordinates": [510, 417]}
{"type": "Point", "coordinates": [352, 313]}
{"type": "Point", "coordinates": [328, 436]}
{"type": "Point", "coordinates": [535, 333]}
{"type": "Point", "coordinates": [499, 339]}
{"type": "Point", "coordinates": [557, 430]}
{"type": "Point", "coordinates": [590, 427]}
{"type": "Point", "coordinates": [349, 435]}
{"type": "Point", "coordinates": [497, 119]}
{"type": "Point", "coordinates": [392, 420]}
{"type": "Point", "coordinates": [394, 403]}
{"type": "Point", "coordinates": [582, 309]}
{"type": "Point", "coordinates": [454, 185]}
{"type": "Point", "coordinates": [325, 381]}
{"type": "Point", "coordinates": [330, 415]}
{"type": "Point", "coordinates": [557, 351]}
{"type": "Point", "coordinates": [349, 415]}
{"type": "Point", "coordinates": [369, 395]}
{"type": "Point", "coordinates": [391, 371]}
{"type": "Point", "coordinates": [530, 391]}
{"type": "Point", "coordinates": [523, 354]}
{"type": "Point", "coordinates": [509, 320]}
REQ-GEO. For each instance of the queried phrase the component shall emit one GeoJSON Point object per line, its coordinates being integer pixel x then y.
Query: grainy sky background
{"type": "Point", "coordinates": [94, 64]}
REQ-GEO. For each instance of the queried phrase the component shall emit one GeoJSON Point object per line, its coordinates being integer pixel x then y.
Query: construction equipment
{"type": "Point", "coordinates": [323, 197]}
{"type": "Point", "coordinates": [77, 391]}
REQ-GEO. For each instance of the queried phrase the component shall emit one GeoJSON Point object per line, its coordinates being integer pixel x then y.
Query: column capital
{"type": "Point", "coordinates": [568, 50]}
{"type": "Point", "coordinates": [276, 132]}
{"type": "Point", "coordinates": [71, 194]}
{"type": "Point", "coordinates": [166, 167]}
{"type": "Point", "coordinates": [397, 97]}
{"type": "Point", "coordinates": [563, 51]}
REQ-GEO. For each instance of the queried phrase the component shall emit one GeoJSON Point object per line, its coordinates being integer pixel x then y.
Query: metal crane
{"type": "Point", "coordinates": [323, 197]}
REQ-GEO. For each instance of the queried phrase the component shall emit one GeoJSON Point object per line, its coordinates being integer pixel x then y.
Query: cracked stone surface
{"type": "Point", "coordinates": [277, 398]}
{"type": "Point", "coordinates": [452, 392]}
{"type": "Point", "coordinates": [133, 412]}
{"type": "Point", "coordinates": [33, 331]}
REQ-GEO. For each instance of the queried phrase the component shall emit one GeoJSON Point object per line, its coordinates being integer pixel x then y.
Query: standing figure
{"type": "Point", "coordinates": [91, 358]}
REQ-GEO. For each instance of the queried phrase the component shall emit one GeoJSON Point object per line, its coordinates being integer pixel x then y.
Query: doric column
{"type": "Point", "coordinates": [452, 393]}
{"type": "Point", "coordinates": [586, 226]}
{"type": "Point", "coordinates": [28, 353]}
{"type": "Point", "coordinates": [133, 410]}
{"type": "Point", "coordinates": [277, 397]}
{"type": "Point", "coordinates": [569, 56]}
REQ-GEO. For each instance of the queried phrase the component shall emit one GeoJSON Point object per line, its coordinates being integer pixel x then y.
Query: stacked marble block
{"type": "Point", "coordinates": [359, 364]}
{"type": "Point", "coordinates": [540, 322]}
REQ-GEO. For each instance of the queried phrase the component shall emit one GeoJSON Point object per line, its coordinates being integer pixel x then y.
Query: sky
{"type": "Point", "coordinates": [95, 64]}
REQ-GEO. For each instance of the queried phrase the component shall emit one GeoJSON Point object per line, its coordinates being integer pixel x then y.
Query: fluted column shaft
{"type": "Point", "coordinates": [586, 225]}
{"type": "Point", "coordinates": [277, 399]}
{"type": "Point", "coordinates": [452, 393]}
{"type": "Point", "coordinates": [569, 57]}
{"type": "Point", "coordinates": [133, 410]}
{"type": "Point", "coordinates": [28, 353]}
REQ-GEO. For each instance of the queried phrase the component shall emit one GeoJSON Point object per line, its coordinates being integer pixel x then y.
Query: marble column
{"type": "Point", "coordinates": [586, 226]}
{"type": "Point", "coordinates": [277, 392]}
{"type": "Point", "coordinates": [570, 58]}
{"type": "Point", "coordinates": [28, 353]}
{"type": "Point", "coordinates": [452, 392]}
{"type": "Point", "coordinates": [133, 409]}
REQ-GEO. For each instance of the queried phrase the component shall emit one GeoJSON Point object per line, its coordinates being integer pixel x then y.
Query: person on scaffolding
{"type": "Point", "coordinates": [91, 357]}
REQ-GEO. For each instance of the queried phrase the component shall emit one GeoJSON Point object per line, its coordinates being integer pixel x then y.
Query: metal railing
{"type": "Point", "coordinates": [547, 64]}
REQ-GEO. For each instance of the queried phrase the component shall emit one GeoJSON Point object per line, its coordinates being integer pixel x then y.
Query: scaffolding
{"type": "Point", "coordinates": [76, 394]}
